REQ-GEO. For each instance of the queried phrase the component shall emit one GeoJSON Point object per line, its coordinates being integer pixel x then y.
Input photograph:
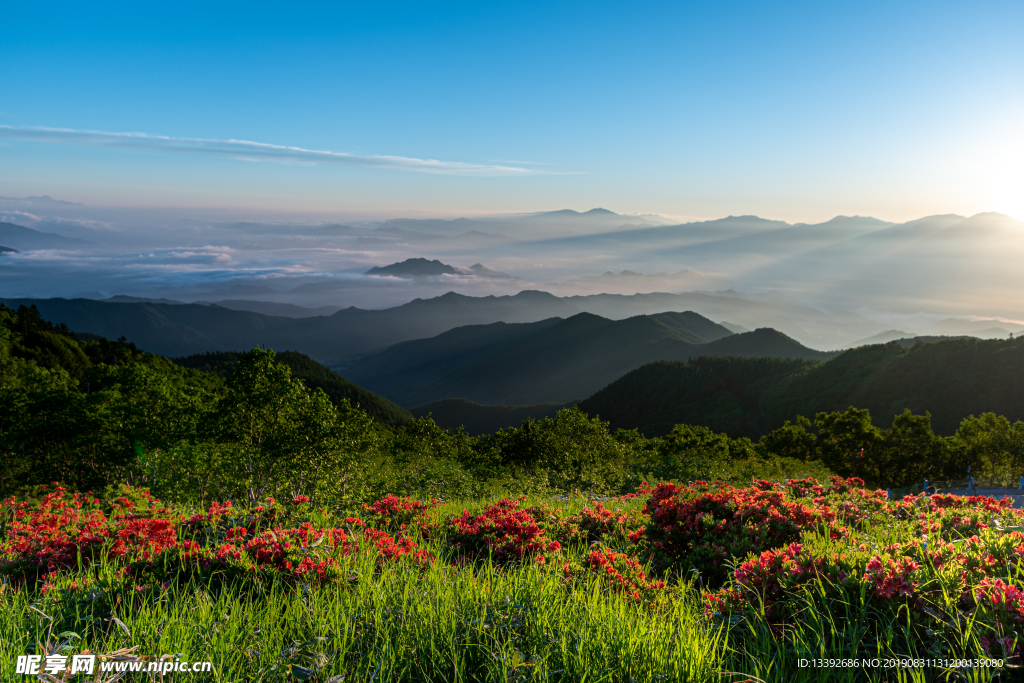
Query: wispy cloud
{"type": "Point", "coordinates": [252, 151]}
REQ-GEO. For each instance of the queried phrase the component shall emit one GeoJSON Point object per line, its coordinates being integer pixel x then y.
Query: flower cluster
{"type": "Point", "coordinates": [919, 581]}
{"type": "Point", "coordinates": [396, 514]}
{"type": "Point", "coordinates": [64, 530]}
{"type": "Point", "coordinates": [135, 531]}
{"type": "Point", "coordinates": [598, 523]}
{"type": "Point", "coordinates": [620, 571]}
{"type": "Point", "coordinates": [507, 532]}
{"type": "Point", "coordinates": [891, 577]}
{"type": "Point", "coordinates": [853, 504]}
{"type": "Point", "coordinates": [703, 527]}
{"type": "Point", "coordinates": [960, 516]}
{"type": "Point", "coordinates": [403, 547]}
{"type": "Point", "coordinates": [766, 582]}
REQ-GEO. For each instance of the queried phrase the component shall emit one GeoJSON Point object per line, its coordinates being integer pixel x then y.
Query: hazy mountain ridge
{"type": "Point", "coordinates": [883, 337]}
{"type": "Point", "coordinates": [526, 226]}
{"type": "Point", "coordinates": [177, 329]}
{"type": "Point", "coordinates": [20, 238]}
{"type": "Point", "coordinates": [265, 307]}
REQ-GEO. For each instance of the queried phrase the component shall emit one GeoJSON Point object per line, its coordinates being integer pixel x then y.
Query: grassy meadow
{"type": "Point", "coordinates": [522, 590]}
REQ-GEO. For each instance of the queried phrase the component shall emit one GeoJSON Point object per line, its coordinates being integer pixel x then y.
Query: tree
{"type": "Point", "coordinates": [570, 449]}
{"type": "Point", "coordinates": [690, 452]}
{"type": "Point", "coordinates": [44, 423]}
{"type": "Point", "coordinates": [790, 441]}
{"type": "Point", "coordinates": [843, 436]}
{"type": "Point", "coordinates": [907, 454]}
{"type": "Point", "coordinates": [990, 445]}
{"type": "Point", "coordinates": [282, 438]}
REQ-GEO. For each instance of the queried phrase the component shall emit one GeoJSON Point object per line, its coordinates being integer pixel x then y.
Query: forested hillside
{"type": "Point", "coordinates": [951, 379]}
{"type": "Point", "coordinates": [552, 361]}
{"type": "Point", "coordinates": [92, 413]}
{"type": "Point", "coordinates": [314, 375]}
{"type": "Point", "coordinates": [719, 393]}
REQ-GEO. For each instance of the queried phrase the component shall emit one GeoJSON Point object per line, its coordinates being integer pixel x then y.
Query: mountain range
{"type": "Point", "coordinates": [853, 276]}
{"type": "Point", "coordinates": [564, 222]}
{"type": "Point", "coordinates": [552, 361]}
{"type": "Point", "coordinates": [20, 238]}
{"type": "Point", "coordinates": [646, 372]}
{"type": "Point", "coordinates": [183, 329]}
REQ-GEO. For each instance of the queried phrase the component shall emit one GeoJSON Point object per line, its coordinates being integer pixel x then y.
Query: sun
{"type": "Point", "coordinates": [1007, 191]}
{"type": "Point", "coordinates": [1002, 177]}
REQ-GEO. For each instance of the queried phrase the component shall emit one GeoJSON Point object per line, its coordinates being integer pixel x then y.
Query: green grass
{"type": "Point", "coordinates": [380, 623]}
{"type": "Point", "coordinates": [390, 624]}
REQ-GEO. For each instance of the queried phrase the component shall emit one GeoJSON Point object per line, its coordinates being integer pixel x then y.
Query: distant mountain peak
{"type": "Point", "coordinates": [865, 220]}
{"type": "Point", "coordinates": [572, 212]}
{"type": "Point", "coordinates": [988, 216]}
{"type": "Point", "coordinates": [421, 267]}
{"type": "Point", "coordinates": [745, 222]}
{"type": "Point", "coordinates": [534, 294]}
{"type": "Point", "coordinates": [44, 199]}
{"type": "Point", "coordinates": [413, 268]}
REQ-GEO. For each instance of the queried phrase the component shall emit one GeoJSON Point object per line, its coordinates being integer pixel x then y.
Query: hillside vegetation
{"type": "Point", "coordinates": [92, 413]}
{"type": "Point", "coordinates": [314, 375]}
{"type": "Point", "coordinates": [949, 379]}
{"type": "Point", "coordinates": [552, 361]}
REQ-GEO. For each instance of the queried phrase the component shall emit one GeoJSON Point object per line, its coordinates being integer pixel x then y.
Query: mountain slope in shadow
{"type": "Point", "coordinates": [552, 361]}
{"type": "Point", "coordinates": [185, 329]}
{"type": "Point", "coordinates": [477, 419]}
{"type": "Point", "coordinates": [950, 378]}
{"type": "Point", "coordinates": [178, 329]}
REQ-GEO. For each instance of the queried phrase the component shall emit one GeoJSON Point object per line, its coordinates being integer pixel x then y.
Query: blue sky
{"type": "Point", "coordinates": [798, 111]}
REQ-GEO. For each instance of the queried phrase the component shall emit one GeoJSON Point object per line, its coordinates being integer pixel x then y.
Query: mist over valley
{"type": "Point", "coordinates": [829, 285]}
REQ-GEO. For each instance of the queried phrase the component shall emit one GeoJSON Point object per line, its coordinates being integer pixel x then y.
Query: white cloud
{"type": "Point", "coordinates": [251, 151]}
